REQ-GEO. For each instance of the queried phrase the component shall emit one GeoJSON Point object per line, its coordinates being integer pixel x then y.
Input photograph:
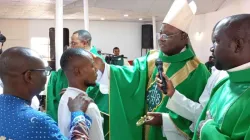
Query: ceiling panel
{"type": "Point", "coordinates": [108, 9]}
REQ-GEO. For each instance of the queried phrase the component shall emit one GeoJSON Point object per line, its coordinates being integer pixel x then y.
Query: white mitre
{"type": "Point", "coordinates": [181, 14]}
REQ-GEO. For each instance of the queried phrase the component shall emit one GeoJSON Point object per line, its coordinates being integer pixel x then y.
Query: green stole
{"type": "Point", "coordinates": [56, 83]}
{"type": "Point", "coordinates": [188, 76]}
{"type": "Point", "coordinates": [229, 107]}
{"type": "Point", "coordinates": [132, 90]}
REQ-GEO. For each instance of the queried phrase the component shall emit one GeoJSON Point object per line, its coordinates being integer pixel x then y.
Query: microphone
{"type": "Point", "coordinates": [158, 64]}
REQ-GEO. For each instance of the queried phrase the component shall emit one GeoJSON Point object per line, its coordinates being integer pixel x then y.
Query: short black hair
{"type": "Point", "coordinates": [69, 54]}
{"type": "Point", "coordinates": [115, 48]}
{"type": "Point", "coordinates": [237, 26]}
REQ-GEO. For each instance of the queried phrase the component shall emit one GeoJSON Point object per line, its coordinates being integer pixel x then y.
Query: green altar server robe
{"type": "Point", "coordinates": [227, 114]}
{"type": "Point", "coordinates": [133, 92]}
{"type": "Point", "coordinates": [56, 83]}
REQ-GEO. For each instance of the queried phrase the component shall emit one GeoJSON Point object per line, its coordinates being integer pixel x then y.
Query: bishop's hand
{"type": "Point", "coordinates": [156, 119]}
{"type": "Point", "coordinates": [99, 63]}
{"type": "Point", "coordinates": [170, 87]}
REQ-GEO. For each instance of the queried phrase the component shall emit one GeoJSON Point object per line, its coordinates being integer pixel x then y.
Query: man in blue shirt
{"type": "Point", "coordinates": [23, 74]}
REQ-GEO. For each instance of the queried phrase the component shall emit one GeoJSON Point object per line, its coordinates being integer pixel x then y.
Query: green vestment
{"type": "Point", "coordinates": [229, 109]}
{"type": "Point", "coordinates": [133, 92]}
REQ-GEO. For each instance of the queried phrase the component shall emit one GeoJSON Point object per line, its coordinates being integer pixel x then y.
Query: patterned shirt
{"type": "Point", "coordinates": [18, 121]}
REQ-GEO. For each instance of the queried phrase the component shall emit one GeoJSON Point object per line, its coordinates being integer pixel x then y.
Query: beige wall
{"type": "Point", "coordinates": [16, 32]}
{"type": "Point", "coordinates": [205, 23]}
{"type": "Point", "coordinates": [106, 34]}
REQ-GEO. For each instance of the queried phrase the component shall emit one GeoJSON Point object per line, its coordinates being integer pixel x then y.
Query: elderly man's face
{"type": "Point", "coordinates": [75, 42]}
{"type": "Point", "coordinates": [171, 40]}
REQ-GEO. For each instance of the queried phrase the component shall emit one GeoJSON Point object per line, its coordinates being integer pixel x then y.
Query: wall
{"type": "Point", "coordinates": [15, 31]}
{"type": "Point", "coordinates": [204, 24]}
{"type": "Point", "coordinates": [106, 34]}
{"type": "Point", "coordinates": [126, 35]}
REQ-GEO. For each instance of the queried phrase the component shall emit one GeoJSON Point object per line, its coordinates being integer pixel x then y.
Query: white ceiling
{"type": "Point", "coordinates": [108, 9]}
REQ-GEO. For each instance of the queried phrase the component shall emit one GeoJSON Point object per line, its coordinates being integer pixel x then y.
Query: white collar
{"type": "Point", "coordinates": [77, 90]}
{"type": "Point", "coordinates": [239, 68]}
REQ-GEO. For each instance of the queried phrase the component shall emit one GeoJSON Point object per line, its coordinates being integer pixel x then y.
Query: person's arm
{"type": "Point", "coordinates": [104, 77]}
{"type": "Point", "coordinates": [79, 128]}
{"type": "Point", "coordinates": [185, 107]}
{"type": "Point", "coordinates": [80, 122]}
{"type": "Point", "coordinates": [169, 129]}
{"type": "Point", "coordinates": [180, 104]}
{"type": "Point", "coordinates": [80, 125]}
{"type": "Point", "coordinates": [104, 80]}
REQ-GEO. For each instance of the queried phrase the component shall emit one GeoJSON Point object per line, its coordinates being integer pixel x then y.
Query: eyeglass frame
{"type": "Point", "coordinates": [47, 70]}
{"type": "Point", "coordinates": [167, 36]}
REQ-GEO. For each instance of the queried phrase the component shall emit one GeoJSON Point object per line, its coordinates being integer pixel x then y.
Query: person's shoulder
{"type": "Point", "coordinates": [42, 125]}
{"type": "Point", "coordinates": [34, 118]}
{"type": "Point", "coordinates": [37, 116]}
{"type": "Point", "coordinates": [69, 93]}
{"type": "Point", "coordinates": [93, 106]}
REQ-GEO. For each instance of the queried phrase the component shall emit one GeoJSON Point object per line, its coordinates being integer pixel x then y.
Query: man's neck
{"type": "Point", "coordinates": [182, 50]}
{"type": "Point", "coordinates": [78, 86]}
{"type": "Point", "coordinates": [23, 96]}
{"type": "Point", "coordinates": [87, 48]}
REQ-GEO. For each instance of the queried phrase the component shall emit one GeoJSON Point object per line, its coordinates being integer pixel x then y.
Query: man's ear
{"type": "Point", "coordinates": [28, 77]}
{"type": "Point", "coordinates": [238, 45]}
{"type": "Point", "coordinates": [184, 36]}
{"type": "Point", "coordinates": [77, 72]}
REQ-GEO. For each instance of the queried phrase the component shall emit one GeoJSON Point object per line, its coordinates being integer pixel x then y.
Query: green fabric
{"type": "Point", "coordinates": [56, 83]}
{"type": "Point", "coordinates": [128, 91]}
{"type": "Point", "coordinates": [229, 107]}
{"type": "Point", "coordinates": [199, 75]}
{"type": "Point", "coordinates": [127, 100]}
{"type": "Point", "coordinates": [95, 52]}
{"type": "Point", "coordinates": [209, 65]}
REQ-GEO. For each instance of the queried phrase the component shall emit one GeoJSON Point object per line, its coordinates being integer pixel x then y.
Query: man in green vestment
{"type": "Point", "coordinates": [133, 90]}
{"type": "Point", "coordinates": [58, 80]}
{"type": "Point", "coordinates": [227, 115]}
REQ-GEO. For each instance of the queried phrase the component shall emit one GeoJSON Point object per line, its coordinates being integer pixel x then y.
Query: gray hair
{"type": "Point", "coordinates": [83, 35]}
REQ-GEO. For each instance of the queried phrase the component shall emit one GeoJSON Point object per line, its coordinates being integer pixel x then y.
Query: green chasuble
{"type": "Point", "coordinates": [56, 83]}
{"type": "Point", "coordinates": [133, 92]}
{"type": "Point", "coordinates": [229, 109]}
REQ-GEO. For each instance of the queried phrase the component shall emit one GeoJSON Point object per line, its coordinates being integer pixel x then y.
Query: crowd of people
{"type": "Point", "coordinates": [88, 99]}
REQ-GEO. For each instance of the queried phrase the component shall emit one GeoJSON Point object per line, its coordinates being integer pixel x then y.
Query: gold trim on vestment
{"type": "Point", "coordinates": [180, 76]}
{"type": "Point", "coordinates": [104, 113]}
{"type": "Point", "coordinates": [107, 134]}
{"type": "Point", "coordinates": [178, 129]}
{"type": "Point", "coordinates": [183, 73]}
{"type": "Point", "coordinates": [153, 55]}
